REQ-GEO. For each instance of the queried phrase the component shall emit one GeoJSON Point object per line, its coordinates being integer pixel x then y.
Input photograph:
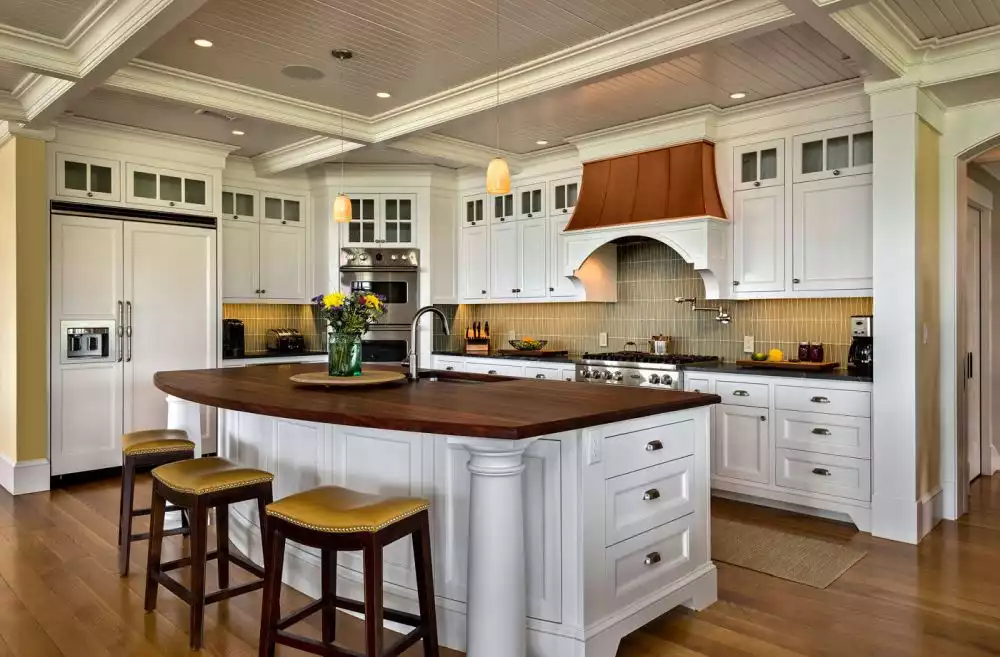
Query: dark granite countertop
{"type": "Point", "coordinates": [732, 368]}
{"type": "Point", "coordinates": [527, 356]}
{"type": "Point", "coordinates": [271, 354]}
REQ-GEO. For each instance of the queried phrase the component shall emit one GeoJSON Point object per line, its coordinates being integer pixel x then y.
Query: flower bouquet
{"type": "Point", "coordinates": [348, 316]}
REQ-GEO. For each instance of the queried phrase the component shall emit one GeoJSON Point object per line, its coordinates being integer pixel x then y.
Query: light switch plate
{"type": "Point", "coordinates": [602, 339]}
{"type": "Point", "coordinates": [748, 344]}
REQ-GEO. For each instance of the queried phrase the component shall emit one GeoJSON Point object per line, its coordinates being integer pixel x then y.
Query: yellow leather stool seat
{"type": "Point", "coordinates": [208, 475]}
{"type": "Point", "coordinates": [343, 511]}
{"type": "Point", "coordinates": [156, 441]}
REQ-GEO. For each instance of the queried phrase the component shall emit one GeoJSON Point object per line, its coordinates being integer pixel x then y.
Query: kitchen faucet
{"type": "Point", "coordinates": [414, 365]}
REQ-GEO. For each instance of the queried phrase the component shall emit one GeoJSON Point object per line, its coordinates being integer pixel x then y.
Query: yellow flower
{"type": "Point", "coordinates": [372, 301]}
{"type": "Point", "coordinates": [335, 300]}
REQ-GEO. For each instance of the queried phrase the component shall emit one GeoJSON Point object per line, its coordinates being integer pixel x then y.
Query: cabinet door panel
{"type": "Point", "coordinates": [87, 177]}
{"type": "Point", "coordinates": [475, 211]}
{"type": "Point", "coordinates": [361, 231]}
{"type": "Point", "coordinates": [759, 240]}
{"type": "Point", "coordinates": [240, 260]}
{"type": "Point", "coordinates": [560, 285]}
{"type": "Point", "coordinates": [742, 444]}
{"type": "Point", "coordinates": [503, 261]}
{"type": "Point", "coordinates": [563, 194]}
{"type": "Point", "coordinates": [475, 265]}
{"type": "Point", "coordinates": [532, 252]}
{"type": "Point", "coordinates": [759, 165]}
{"type": "Point", "coordinates": [283, 262]}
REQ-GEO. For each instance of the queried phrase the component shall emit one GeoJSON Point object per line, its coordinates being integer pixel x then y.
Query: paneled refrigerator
{"type": "Point", "coordinates": [130, 297]}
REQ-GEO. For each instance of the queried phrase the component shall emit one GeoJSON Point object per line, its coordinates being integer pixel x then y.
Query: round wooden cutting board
{"type": "Point", "coordinates": [367, 378]}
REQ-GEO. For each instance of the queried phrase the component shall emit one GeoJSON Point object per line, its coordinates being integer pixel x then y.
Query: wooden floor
{"type": "Point", "coordinates": [60, 594]}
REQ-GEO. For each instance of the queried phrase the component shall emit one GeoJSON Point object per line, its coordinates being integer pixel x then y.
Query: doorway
{"type": "Point", "coordinates": [973, 340]}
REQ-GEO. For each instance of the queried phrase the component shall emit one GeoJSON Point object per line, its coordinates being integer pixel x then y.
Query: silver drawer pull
{"type": "Point", "coordinates": [821, 432]}
{"type": "Point", "coordinates": [450, 368]}
{"type": "Point", "coordinates": [635, 376]}
{"type": "Point", "coordinates": [652, 558]}
{"type": "Point", "coordinates": [820, 400]}
{"type": "Point", "coordinates": [492, 372]}
{"type": "Point", "coordinates": [539, 376]}
{"type": "Point", "coordinates": [654, 445]}
{"type": "Point", "coordinates": [740, 393]}
{"type": "Point", "coordinates": [822, 472]}
{"type": "Point", "coordinates": [650, 495]}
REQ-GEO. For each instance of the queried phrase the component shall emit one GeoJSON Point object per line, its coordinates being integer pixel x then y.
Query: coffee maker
{"type": "Point", "coordinates": [861, 355]}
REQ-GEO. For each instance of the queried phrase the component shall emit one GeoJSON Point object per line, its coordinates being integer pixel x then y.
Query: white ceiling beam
{"type": "Point", "coordinates": [37, 53]}
{"type": "Point", "coordinates": [10, 108]}
{"type": "Point", "coordinates": [462, 153]}
{"type": "Point", "coordinates": [301, 153]}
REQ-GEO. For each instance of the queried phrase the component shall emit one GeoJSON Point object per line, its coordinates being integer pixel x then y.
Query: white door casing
{"type": "Point", "coordinates": [973, 325]}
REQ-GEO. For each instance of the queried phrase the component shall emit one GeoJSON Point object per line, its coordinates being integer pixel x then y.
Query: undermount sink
{"type": "Point", "coordinates": [434, 379]}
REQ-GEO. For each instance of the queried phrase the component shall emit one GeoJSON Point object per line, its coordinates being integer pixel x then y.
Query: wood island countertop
{"type": "Point", "coordinates": [494, 407]}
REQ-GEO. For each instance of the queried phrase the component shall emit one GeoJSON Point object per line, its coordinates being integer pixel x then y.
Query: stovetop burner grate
{"type": "Point", "coordinates": [640, 357]}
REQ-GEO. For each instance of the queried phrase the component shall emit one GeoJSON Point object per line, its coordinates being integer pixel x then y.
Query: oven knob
{"type": "Point", "coordinates": [394, 257]}
{"type": "Point", "coordinates": [364, 258]}
{"type": "Point", "coordinates": [607, 375]}
{"type": "Point", "coordinates": [654, 378]}
{"type": "Point", "coordinates": [350, 257]}
{"type": "Point", "coordinates": [587, 374]}
{"type": "Point", "coordinates": [666, 380]}
{"type": "Point", "coordinates": [618, 376]}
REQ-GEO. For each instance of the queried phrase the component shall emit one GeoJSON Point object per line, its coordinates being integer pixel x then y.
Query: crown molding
{"type": "Point", "coordinates": [461, 152]}
{"type": "Point", "coordinates": [878, 30]}
{"type": "Point", "coordinates": [299, 154]}
{"type": "Point", "coordinates": [37, 53]}
{"type": "Point", "coordinates": [10, 108]}
{"type": "Point", "coordinates": [138, 137]}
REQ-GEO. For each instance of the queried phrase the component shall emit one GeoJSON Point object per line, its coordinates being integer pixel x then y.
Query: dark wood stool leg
{"type": "Point", "coordinates": [156, 515]}
{"type": "Point", "coordinates": [125, 520]}
{"type": "Point", "coordinates": [199, 550]}
{"type": "Point", "coordinates": [222, 541]}
{"type": "Point", "coordinates": [373, 598]}
{"type": "Point", "coordinates": [274, 543]}
{"type": "Point", "coordinates": [329, 584]}
{"type": "Point", "coordinates": [425, 585]}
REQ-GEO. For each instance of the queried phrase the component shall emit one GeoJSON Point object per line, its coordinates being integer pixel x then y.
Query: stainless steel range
{"type": "Point", "coordinates": [637, 369]}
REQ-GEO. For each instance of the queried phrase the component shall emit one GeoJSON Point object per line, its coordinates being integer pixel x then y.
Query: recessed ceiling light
{"type": "Point", "coordinates": [238, 133]}
{"type": "Point", "coordinates": [384, 94]}
{"type": "Point", "coordinates": [203, 43]}
{"type": "Point", "coordinates": [297, 72]}
{"type": "Point", "coordinates": [542, 142]}
{"type": "Point", "coordinates": [738, 95]}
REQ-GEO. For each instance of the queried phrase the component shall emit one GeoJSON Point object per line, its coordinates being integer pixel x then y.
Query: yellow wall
{"type": "Point", "coordinates": [928, 309]}
{"type": "Point", "coordinates": [23, 297]}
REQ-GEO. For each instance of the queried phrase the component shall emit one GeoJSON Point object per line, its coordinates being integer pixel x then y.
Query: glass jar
{"type": "Point", "coordinates": [344, 352]}
{"type": "Point", "coordinates": [804, 351]}
{"type": "Point", "coordinates": [816, 352]}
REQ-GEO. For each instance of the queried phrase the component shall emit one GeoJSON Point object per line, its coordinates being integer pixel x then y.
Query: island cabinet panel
{"type": "Point", "coordinates": [742, 443]}
{"type": "Point", "coordinates": [300, 457]}
{"type": "Point", "coordinates": [247, 439]}
{"type": "Point", "coordinates": [639, 501]}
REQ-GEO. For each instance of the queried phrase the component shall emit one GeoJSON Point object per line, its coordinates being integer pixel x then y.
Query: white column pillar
{"type": "Point", "coordinates": [496, 611]}
{"type": "Point", "coordinates": [185, 415]}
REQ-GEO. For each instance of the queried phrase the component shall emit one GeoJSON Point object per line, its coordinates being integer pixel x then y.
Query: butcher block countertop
{"type": "Point", "coordinates": [457, 403]}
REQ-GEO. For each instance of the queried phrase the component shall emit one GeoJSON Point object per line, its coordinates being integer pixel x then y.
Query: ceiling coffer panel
{"type": "Point", "coordinates": [669, 183]}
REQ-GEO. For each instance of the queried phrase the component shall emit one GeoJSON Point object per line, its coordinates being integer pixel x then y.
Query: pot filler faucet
{"type": "Point", "coordinates": [414, 365]}
{"type": "Point", "coordinates": [722, 316]}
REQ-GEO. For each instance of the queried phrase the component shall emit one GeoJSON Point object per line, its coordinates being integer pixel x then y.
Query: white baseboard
{"type": "Point", "coordinates": [930, 510]}
{"type": "Point", "coordinates": [24, 477]}
{"type": "Point", "coordinates": [994, 460]}
{"type": "Point", "coordinates": [895, 519]}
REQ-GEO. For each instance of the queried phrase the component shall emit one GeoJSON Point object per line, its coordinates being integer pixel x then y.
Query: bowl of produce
{"type": "Point", "coordinates": [528, 344]}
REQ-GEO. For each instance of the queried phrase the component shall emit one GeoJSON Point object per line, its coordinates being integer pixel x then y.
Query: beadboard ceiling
{"type": "Point", "coordinates": [945, 18]}
{"type": "Point", "coordinates": [380, 154]}
{"type": "Point", "coordinates": [51, 18]}
{"type": "Point", "coordinates": [776, 63]}
{"type": "Point", "coordinates": [409, 49]}
{"type": "Point", "coordinates": [179, 119]}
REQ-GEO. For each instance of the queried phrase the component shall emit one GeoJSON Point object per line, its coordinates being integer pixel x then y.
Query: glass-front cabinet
{"type": "Point", "coordinates": [167, 188]}
{"type": "Point", "coordinates": [833, 153]}
{"type": "Point", "coordinates": [563, 194]}
{"type": "Point", "coordinates": [759, 165]}
{"type": "Point", "coordinates": [502, 208]}
{"type": "Point", "coordinates": [397, 219]}
{"type": "Point", "coordinates": [87, 177]}
{"type": "Point", "coordinates": [240, 204]}
{"type": "Point", "coordinates": [381, 219]}
{"type": "Point", "coordinates": [283, 209]}
{"type": "Point", "coordinates": [475, 210]}
{"type": "Point", "coordinates": [530, 201]}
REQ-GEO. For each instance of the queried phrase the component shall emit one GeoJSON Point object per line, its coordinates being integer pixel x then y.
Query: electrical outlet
{"type": "Point", "coordinates": [602, 339]}
{"type": "Point", "coordinates": [748, 344]}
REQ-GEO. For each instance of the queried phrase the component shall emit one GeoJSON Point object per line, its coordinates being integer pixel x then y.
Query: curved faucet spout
{"type": "Point", "coordinates": [414, 373]}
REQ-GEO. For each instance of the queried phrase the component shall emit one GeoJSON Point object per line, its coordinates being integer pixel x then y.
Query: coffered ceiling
{"type": "Point", "coordinates": [51, 18]}
{"type": "Point", "coordinates": [931, 19]}
{"type": "Point", "coordinates": [9, 76]}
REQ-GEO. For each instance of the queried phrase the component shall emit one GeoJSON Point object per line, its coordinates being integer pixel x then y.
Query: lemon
{"type": "Point", "coordinates": [775, 355]}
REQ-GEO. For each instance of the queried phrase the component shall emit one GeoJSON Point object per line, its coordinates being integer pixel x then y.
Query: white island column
{"type": "Point", "coordinates": [186, 416]}
{"type": "Point", "coordinates": [496, 614]}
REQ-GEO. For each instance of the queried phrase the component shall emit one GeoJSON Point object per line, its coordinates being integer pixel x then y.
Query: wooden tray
{"type": "Point", "coordinates": [799, 365]}
{"type": "Point", "coordinates": [540, 353]}
{"type": "Point", "coordinates": [367, 378]}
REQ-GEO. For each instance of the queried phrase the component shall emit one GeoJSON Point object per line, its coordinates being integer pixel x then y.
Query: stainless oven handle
{"type": "Point", "coordinates": [120, 332]}
{"type": "Point", "coordinates": [405, 270]}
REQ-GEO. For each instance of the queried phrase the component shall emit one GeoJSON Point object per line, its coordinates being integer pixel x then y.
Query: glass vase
{"type": "Point", "coordinates": [344, 351]}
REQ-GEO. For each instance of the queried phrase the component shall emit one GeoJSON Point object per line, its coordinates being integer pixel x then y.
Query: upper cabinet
{"type": "Point", "coordinates": [474, 210]}
{"type": "Point", "coordinates": [759, 165]}
{"type": "Point", "coordinates": [240, 204]}
{"type": "Point", "coordinates": [759, 240]}
{"type": "Point", "coordinates": [502, 208]}
{"type": "Point", "coordinates": [530, 201]}
{"type": "Point", "coordinates": [87, 177]}
{"type": "Point", "coordinates": [833, 153]}
{"type": "Point", "coordinates": [168, 188]}
{"type": "Point", "coordinates": [283, 210]}
{"type": "Point", "coordinates": [563, 194]}
{"type": "Point", "coordinates": [381, 219]}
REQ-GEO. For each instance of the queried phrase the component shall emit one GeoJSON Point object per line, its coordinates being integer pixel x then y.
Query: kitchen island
{"type": "Point", "coordinates": [564, 515]}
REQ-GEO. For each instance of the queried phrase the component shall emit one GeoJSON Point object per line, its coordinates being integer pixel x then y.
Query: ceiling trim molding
{"type": "Point", "coordinates": [37, 53]}
{"type": "Point", "coordinates": [105, 130]}
{"type": "Point", "coordinates": [459, 151]}
{"type": "Point", "coordinates": [89, 19]}
{"type": "Point", "coordinates": [10, 108]}
{"type": "Point", "coordinates": [877, 30]}
{"type": "Point", "coordinates": [40, 92]}
{"type": "Point", "coordinates": [300, 154]}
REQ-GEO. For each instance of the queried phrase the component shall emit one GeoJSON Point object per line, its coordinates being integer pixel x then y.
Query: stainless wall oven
{"type": "Point", "coordinates": [393, 274]}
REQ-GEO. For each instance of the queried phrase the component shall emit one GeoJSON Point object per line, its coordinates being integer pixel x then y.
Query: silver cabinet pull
{"type": "Point", "coordinates": [740, 393]}
{"type": "Point", "coordinates": [539, 376]}
{"type": "Point", "coordinates": [650, 495]}
{"type": "Point", "coordinates": [121, 331]}
{"type": "Point", "coordinates": [90, 194]}
{"type": "Point", "coordinates": [450, 368]}
{"type": "Point", "coordinates": [820, 400]}
{"type": "Point", "coordinates": [652, 558]}
{"type": "Point", "coordinates": [763, 418]}
{"type": "Point", "coordinates": [822, 472]}
{"type": "Point", "coordinates": [796, 281]}
{"type": "Point", "coordinates": [821, 432]}
{"type": "Point", "coordinates": [128, 330]}
{"type": "Point", "coordinates": [654, 445]}
{"type": "Point", "coordinates": [492, 372]}
{"type": "Point", "coordinates": [836, 172]}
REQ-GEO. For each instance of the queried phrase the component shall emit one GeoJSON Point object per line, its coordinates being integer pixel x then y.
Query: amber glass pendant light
{"type": "Point", "coordinates": [342, 204]}
{"type": "Point", "coordinates": [498, 173]}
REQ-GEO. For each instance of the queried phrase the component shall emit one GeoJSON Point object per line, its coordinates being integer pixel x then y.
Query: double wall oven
{"type": "Point", "coordinates": [393, 274]}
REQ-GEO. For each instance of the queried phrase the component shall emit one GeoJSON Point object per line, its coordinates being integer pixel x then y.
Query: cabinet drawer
{"type": "Point", "coordinates": [449, 364]}
{"type": "Point", "coordinates": [843, 435]}
{"type": "Point", "coordinates": [823, 473]}
{"type": "Point", "coordinates": [647, 447]}
{"type": "Point", "coordinates": [568, 373]}
{"type": "Point", "coordinates": [548, 373]}
{"type": "Point", "coordinates": [743, 394]}
{"type": "Point", "coordinates": [821, 400]}
{"type": "Point", "coordinates": [642, 564]}
{"type": "Point", "coordinates": [695, 385]}
{"type": "Point", "coordinates": [639, 501]}
{"type": "Point", "coordinates": [498, 370]}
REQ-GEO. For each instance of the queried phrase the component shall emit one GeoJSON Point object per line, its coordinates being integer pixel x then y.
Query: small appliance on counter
{"type": "Point", "coordinates": [285, 341]}
{"type": "Point", "coordinates": [860, 358]}
{"type": "Point", "coordinates": [233, 339]}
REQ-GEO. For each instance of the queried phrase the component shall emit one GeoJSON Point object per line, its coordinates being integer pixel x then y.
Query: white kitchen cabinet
{"type": "Point", "coordinates": [530, 201]}
{"type": "Point", "coordinates": [759, 165]}
{"type": "Point", "coordinates": [283, 209]}
{"type": "Point", "coordinates": [474, 264]}
{"type": "Point", "coordinates": [494, 368]}
{"type": "Point", "coordinates": [502, 209]}
{"type": "Point", "coordinates": [563, 194]}
{"type": "Point", "coordinates": [833, 153]}
{"type": "Point", "coordinates": [504, 258]}
{"type": "Point", "coordinates": [93, 178]}
{"type": "Point", "coordinates": [759, 240]}
{"type": "Point", "coordinates": [239, 204]}
{"type": "Point", "coordinates": [381, 219]}
{"type": "Point", "coordinates": [177, 190]}
{"type": "Point", "coordinates": [832, 234]}
{"type": "Point", "coordinates": [532, 258]}
{"type": "Point", "coordinates": [560, 285]}
{"type": "Point", "coordinates": [283, 263]}
{"type": "Point", "coordinates": [741, 443]}
{"type": "Point", "coordinates": [240, 260]}
{"type": "Point", "coordinates": [475, 210]}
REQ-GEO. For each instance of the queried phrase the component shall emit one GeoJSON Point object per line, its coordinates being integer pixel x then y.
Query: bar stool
{"type": "Point", "coordinates": [146, 449]}
{"type": "Point", "coordinates": [199, 485]}
{"type": "Point", "coordinates": [336, 519]}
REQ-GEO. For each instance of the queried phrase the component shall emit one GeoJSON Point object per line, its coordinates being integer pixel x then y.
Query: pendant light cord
{"type": "Point", "coordinates": [342, 129]}
{"type": "Point", "coordinates": [497, 110]}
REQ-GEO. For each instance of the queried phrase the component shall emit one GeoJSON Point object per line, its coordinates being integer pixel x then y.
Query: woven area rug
{"type": "Point", "coordinates": [797, 558]}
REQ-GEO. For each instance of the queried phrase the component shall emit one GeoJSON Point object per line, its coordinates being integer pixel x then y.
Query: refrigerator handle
{"type": "Point", "coordinates": [128, 329]}
{"type": "Point", "coordinates": [120, 332]}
